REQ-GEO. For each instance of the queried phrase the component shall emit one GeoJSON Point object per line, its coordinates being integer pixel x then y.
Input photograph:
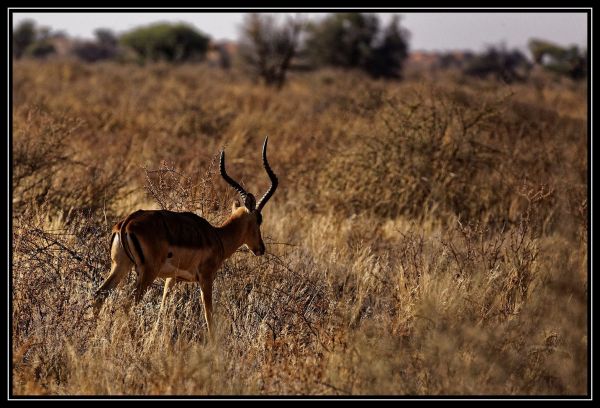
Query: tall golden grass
{"type": "Point", "coordinates": [427, 238]}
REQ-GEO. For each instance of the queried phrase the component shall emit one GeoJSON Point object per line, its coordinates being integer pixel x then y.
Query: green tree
{"type": "Point", "coordinates": [356, 40]}
{"type": "Point", "coordinates": [342, 39]}
{"type": "Point", "coordinates": [569, 61]}
{"type": "Point", "coordinates": [387, 56]}
{"type": "Point", "coordinates": [105, 36]}
{"type": "Point", "coordinates": [24, 35]}
{"type": "Point", "coordinates": [170, 42]}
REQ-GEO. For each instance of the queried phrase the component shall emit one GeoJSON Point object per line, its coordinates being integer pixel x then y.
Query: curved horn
{"type": "Point", "coordinates": [272, 176]}
{"type": "Point", "coordinates": [229, 180]}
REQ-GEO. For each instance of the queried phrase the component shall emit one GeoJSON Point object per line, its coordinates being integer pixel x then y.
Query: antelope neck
{"type": "Point", "coordinates": [231, 234]}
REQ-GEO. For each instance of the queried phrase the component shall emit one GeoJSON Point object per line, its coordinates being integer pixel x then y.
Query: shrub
{"type": "Point", "coordinates": [170, 42]}
{"type": "Point", "coordinates": [506, 65]}
{"type": "Point", "coordinates": [40, 49]}
{"type": "Point", "coordinates": [89, 51]}
{"type": "Point", "coordinates": [424, 160]}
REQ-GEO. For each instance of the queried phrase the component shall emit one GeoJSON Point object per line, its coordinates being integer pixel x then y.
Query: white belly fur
{"type": "Point", "coordinates": [169, 270]}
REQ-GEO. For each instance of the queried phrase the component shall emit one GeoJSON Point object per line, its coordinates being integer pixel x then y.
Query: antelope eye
{"type": "Point", "coordinates": [258, 218]}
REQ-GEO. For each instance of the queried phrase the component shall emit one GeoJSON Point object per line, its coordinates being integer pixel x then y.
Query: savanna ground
{"type": "Point", "coordinates": [427, 237]}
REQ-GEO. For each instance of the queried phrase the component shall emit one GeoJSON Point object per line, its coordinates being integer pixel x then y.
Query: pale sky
{"type": "Point", "coordinates": [429, 31]}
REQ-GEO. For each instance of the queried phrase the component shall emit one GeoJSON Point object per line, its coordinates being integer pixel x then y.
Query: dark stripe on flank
{"type": "Point", "coordinates": [112, 238]}
{"type": "Point", "coordinates": [138, 247]}
{"type": "Point", "coordinates": [125, 245]}
{"type": "Point", "coordinates": [123, 235]}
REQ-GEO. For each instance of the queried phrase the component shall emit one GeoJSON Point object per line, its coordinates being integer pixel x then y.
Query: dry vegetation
{"type": "Point", "coordinates": [427, 237]}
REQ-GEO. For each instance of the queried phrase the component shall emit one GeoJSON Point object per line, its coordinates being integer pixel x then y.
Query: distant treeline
{"type": "Point", "coordinates": [268, 47]}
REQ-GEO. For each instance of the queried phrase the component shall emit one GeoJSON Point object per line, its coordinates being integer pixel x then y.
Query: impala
{"type": "Point", "coordinates": [181, 246]}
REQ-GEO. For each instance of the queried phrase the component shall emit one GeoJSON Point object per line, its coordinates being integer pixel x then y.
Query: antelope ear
{"type": "Point", "coordinates": [235, 205]}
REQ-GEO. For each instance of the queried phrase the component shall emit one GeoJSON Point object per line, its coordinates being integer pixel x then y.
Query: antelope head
{"type": "Point", "coordinates": [249, 215]}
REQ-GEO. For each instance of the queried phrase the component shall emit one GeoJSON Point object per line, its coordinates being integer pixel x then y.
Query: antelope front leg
{"type": "Point", "coordinates": [206, 288]}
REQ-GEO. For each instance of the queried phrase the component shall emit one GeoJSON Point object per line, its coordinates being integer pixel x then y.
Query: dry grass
{"type": "Point", "coordinates": [426, 239]}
